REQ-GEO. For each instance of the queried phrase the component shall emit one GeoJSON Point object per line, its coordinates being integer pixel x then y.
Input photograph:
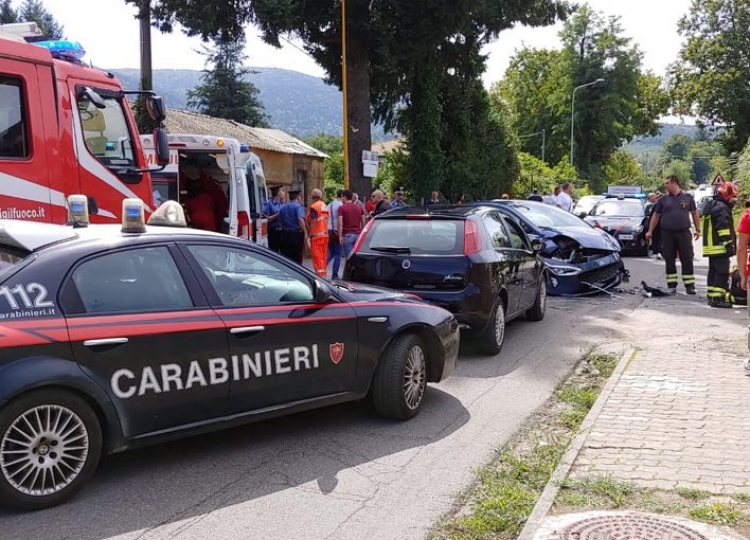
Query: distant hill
{"type": "Point", "coordinates": [299, 104]}
{"type": "Point", "coordinates": [651, 145]}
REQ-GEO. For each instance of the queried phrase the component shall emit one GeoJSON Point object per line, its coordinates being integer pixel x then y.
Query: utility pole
{"type": "Point", "coordinates": [543, 133]}
{"type": "Point", "coordinates": [572, 114]}
{"type": "Point", "coordinates": [145, 124]}
{"type": "Point", "coordinates": [344, 92]}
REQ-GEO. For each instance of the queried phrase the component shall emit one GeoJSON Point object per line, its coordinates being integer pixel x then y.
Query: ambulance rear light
{"type": "Point", "coordinates": [243, 223]}
{"type": "Point", "coordinates": [133, 218]}
{"type": "Point", "coordinates": [78, 210]}
{"type": "Point", "coordinates": [169, 214]}
{"type": "Point", "coordinates": [220, 143]}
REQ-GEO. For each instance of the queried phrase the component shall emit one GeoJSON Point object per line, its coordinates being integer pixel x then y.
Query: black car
{"type": "Point", "coordinates": [624, 218]}
{"type": "Point", "coordinates": [580, 259]}
{"type": "Point", "coordinates": [473, 261]}
{"type": "Point", "coordinates": [111, 340]}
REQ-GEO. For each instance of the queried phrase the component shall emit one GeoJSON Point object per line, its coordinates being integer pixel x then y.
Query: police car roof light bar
{"type": "Point", "coordinates": [133, 219]}
{"type": "Point", "coordinates": [78, 211]}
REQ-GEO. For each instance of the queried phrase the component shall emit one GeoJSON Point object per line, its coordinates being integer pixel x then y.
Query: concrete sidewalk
{"type": "Point", "coordinates": [675, 415]}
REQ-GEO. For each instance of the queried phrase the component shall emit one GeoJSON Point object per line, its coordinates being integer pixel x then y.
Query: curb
{"type": "Point", "coordinates": [547, 498]}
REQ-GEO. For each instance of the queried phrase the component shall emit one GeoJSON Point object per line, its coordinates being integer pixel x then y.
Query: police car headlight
{"type": "Point", "coordinates": [169, 214]}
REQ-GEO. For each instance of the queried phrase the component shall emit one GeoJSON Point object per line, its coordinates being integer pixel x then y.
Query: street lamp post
{"type": "Point", "coordinates": [572, 113]}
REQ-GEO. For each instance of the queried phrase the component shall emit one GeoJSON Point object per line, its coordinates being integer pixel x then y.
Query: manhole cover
{"type": "Point", "coordinates": [628, 528]}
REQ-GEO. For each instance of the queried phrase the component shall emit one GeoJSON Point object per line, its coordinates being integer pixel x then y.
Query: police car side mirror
{"type": "Point", "coordinates": [322, 292]}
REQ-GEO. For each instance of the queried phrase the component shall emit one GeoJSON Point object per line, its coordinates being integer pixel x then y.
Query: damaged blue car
{"type": "Point", "coordinates": [580, 259]}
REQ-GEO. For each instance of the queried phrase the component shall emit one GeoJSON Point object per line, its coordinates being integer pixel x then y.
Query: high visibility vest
{"type": "Point", "coordinates": [319, 224]}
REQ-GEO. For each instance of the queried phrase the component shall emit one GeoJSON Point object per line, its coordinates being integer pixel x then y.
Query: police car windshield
{"type": "Point", "coordinates": [619, 208]}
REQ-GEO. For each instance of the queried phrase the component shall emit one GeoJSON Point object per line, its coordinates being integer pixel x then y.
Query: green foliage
{"type": "Point", "coordinates": [333, 177]}
{"type": "Point", "coordinates": [623, 168]}
{"type": "Point", "coordinates": [709, 79]}
{"type": "Point", "coordinates": [691, 159]}
{"type": "Point", "coordinates": [392, 174]}
{"type": "Point", "coordinates": [31, 11]}
{"type": "Point", "coordinates": [536, 174]}
{"type": "Point", "coordinates": [224, 93]}
{"type": "Point", "coordinates": [719, 513]}
{"type": "Point", "coordinates": [539, 86]}
{"type": "Point", "coordinates": [328, 144]}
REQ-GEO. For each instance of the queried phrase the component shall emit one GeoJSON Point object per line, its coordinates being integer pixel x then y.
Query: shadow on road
{"type": "Point", "coordinates": [186, 479]}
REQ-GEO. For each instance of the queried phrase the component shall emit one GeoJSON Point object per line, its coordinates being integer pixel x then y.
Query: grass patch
{"type": "Point", "coordinates": [718, 513]}
{"type": "Point", "coordinates": [499, 504]}
{"type": "Point", "coordinates": [693, 494]}
{"type": "Point", "coordinates": [602, 489]}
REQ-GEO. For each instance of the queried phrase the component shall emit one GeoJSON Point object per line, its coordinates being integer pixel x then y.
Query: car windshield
{"type": "Point", "coordinates": [619, 208]}
{"type": "Point", "coordinates": [418, 236]}
{"type": "Point", "coordinates": [585, 204]}
{"type": "Point", "coordinates": [106, 133]}
{"type": "Point", "coordinates": [547, 216]}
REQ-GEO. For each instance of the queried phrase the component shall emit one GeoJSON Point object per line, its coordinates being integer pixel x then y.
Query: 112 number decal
{"type": "Point", "coordinates": [33, 295]}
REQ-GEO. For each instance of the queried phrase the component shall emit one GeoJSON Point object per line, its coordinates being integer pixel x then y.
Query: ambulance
{"type": "Point", "coordinates": [237, 170]}
{"type": "Point", "coordinates": [67, 128]}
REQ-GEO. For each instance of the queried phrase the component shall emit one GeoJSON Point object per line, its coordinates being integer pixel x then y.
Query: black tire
{"type": "Point", "coordinates": [492, 339]}
{"type": "Point", "coordinates": [390, 389]}
{"type": "Point", "coordinates": [537, 311]}
{"type": "Point", "coordinates": [65, 421]}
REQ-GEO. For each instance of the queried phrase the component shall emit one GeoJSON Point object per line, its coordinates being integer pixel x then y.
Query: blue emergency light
{"type": "Point", "coordinates": [245, 148]}
{"type": "Point", "coordinates": [67, 50]}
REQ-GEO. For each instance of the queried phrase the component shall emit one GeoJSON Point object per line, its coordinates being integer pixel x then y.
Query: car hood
{"type": "Point", "coordinates": [587, 237]}
{"type": "Point", "coordinates": [358, 292]}
{"type": "Point", "coordinates": [616, 223]}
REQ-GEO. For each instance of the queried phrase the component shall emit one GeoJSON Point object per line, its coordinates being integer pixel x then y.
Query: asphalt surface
{"type": "Point", "coordinates": [341, 472]}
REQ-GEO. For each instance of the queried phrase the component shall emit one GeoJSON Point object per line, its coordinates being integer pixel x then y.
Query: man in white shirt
{"type": "Point", "coordinates": [565, 199]}
{"type": "Point", "coordinates": [334, 244]}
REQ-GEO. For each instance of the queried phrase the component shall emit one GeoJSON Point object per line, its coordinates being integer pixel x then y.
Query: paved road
{"type": "Point", "coordinates": [339, 473]}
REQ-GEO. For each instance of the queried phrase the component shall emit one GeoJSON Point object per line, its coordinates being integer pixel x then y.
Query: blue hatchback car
{"type": "Point", "coordinates": [474, 261]}
{"type": "Point", "coordinates": [580, 259]}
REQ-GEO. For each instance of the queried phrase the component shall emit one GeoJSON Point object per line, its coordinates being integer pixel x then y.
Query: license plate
{"type": "Point", "coordinates": [625, 237]}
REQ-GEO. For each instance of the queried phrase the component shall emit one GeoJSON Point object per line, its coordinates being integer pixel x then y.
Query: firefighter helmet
{"type": "Point", "coordinates": [728, 191]}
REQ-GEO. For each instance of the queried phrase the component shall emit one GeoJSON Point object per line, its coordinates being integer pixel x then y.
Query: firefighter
{"type": "Point", "coordinates": [317, 225]}
{"type": "Point", "coordinates": [674, 212]}
{"type": "Point", "coordinates": [719, 240]}
{"type": "Point", "coordinates": [218, 197]}
{"type": "Point", "coordinates": [199, 207]}
{"type": "Point", "coordinates": [294, 233]}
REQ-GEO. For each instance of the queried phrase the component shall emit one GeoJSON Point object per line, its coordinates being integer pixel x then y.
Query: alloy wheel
{"type": "Point", "coordinates": [415, 377]}
{"type": "Point", "coordinates": [44, 450]}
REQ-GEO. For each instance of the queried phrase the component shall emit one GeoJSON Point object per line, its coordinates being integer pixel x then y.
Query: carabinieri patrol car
{"type": "Point", "coordinates": [115, 336]}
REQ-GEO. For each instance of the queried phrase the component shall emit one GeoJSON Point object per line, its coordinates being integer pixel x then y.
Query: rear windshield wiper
{"type": "Point", "coordinates": [386, 249]}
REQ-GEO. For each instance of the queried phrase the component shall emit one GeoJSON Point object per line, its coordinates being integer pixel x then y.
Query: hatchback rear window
{"type": "Point", "coordinates": [9, 258]}
{"type": "Point", "coordinates": [417, 236]}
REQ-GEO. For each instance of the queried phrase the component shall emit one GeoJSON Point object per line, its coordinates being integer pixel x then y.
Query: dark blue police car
{"type": "Point", "coordinates": [111, 339]}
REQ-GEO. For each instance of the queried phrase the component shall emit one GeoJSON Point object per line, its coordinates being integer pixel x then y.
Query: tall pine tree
{"type": "Point", "coordinates": [224, 92]}
{"type": "Point", "coordinates": [31, 11]}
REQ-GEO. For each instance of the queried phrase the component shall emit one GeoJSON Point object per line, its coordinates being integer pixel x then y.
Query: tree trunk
{"type": "Point", "coordinates": [358, 107]}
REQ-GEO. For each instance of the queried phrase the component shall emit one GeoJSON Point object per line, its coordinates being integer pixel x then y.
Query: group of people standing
{"type": "Point", "coordinates": [673, 214]}
{"type": "Point", "coordinates": [329, 231]}
{"type": "Point", "coordinates": [562, 197]}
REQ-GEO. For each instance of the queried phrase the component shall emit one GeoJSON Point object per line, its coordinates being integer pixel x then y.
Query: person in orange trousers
{"type": "Point", "coordinates": [317, 224]}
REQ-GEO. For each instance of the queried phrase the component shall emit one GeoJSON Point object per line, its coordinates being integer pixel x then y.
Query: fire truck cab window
{"type": "Point", "coordinates": [105, 132]}
{"type": "Point", "coordinates": [14, 134]}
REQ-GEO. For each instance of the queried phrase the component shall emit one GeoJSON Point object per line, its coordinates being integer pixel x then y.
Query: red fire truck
{"type": "Point", "coordinates": [67, 128]}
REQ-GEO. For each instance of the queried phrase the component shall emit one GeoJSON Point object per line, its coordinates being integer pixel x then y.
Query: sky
{"type": "Point", "coordinates": [109, 32]}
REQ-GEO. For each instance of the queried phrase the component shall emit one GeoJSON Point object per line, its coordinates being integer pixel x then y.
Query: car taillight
{"type": "Point", "coordinates": [243, 223]}
{"type": "Point", "coordinates": [362, 235]}
{"type": "Point", "coordinates": [472, 243]}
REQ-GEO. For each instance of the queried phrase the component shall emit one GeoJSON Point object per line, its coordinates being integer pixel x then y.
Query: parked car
{"type": "Point", "coordinates": [701, 203]}
{"type": "Point", "coordinates": [585, 204]}
{"type": "Point", "coordinates": [113, 338]}
{"type": "Point", "coordinates": [580, 259]}
{"type": "Point", "coordinates": [625, 219]}
{"type": "Point", "coordinates": [474, 261]}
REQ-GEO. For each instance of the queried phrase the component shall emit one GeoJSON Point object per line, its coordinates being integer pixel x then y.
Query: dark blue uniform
{"type": "Point", "coordinates": [273, 208]}
{"type": "Point", "coordinates": [675, 213]}
{"type": "Point", "coordinates": [292, 235]}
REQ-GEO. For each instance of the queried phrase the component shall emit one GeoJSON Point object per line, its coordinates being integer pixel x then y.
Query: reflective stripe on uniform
{"type": "Point", "coordinates": [688, 279]}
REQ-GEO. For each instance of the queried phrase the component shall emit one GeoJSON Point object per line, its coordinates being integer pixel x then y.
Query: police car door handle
{"type": "Point", "coordinates": [247, 330]}
{"type": "Point", "coordinates": [102, 342]}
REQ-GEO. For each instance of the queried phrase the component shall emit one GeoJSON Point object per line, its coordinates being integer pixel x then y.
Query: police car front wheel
{"type": "Point", "coordinates": [400, 379]}
{"type": "Point", "coordinates": [50, 444]}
